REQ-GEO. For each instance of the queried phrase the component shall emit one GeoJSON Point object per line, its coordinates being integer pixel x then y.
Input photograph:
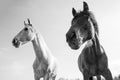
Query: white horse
{"type": "Point", "coordinates": [45, 64]}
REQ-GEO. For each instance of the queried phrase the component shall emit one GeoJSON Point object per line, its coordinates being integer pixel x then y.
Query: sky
{"type": "Point", "coordinates": [52, 19]}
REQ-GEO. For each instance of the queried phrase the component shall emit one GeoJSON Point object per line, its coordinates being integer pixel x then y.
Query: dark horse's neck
{"type": "Point", "coordinates": [92, 43]}
{"type": "Point", "coordinates": [96, 45]}
{"type": "Point", "coordinates": [93, 52]}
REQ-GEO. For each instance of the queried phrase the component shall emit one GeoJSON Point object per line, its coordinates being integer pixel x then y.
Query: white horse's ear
{"type": "Point", "coordinates": [85, 6]}
{"type": "Point", "coordinates": [24, 23]}
{"type": "Point", "coordinates": [28, 21]}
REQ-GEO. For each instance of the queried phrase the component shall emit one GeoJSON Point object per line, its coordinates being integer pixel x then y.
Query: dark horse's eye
{"type": "Point", "coordinates": [85, 27]}
{"type": "Point", "coordinates": [26, 29]}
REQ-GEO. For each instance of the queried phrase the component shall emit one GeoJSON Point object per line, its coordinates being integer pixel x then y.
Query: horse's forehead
{"type": "Point", "coordinates": [22, 31]}
{"type": "Point", "coordinates": [27, 25]}
{"type": "Point", "coordinates": [80, 20]}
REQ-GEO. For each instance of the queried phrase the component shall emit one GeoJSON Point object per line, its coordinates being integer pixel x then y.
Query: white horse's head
{"type": "Point", "coordinates": [27, 34]}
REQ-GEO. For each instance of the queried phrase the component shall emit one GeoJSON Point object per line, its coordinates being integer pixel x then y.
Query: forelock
{"type": "Point", "coordinates": [81, 14]}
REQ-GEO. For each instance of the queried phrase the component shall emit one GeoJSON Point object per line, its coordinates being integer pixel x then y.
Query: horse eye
{"type": "Point", "coordinates": [85, 28]}
{"type": "Point", "coordinates": [26, 29]}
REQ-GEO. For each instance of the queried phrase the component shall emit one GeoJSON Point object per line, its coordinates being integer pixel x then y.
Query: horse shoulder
{"type": "Point", "coordinates": [52, 66]}
{"type": "Point", "coordinates": [53, 62]}
{"type": "Point", "coordinates": [103, 62]}
{"type": "Point", "coordinates": [83, 57]}
{"type": "Point", "coordinates": [82, 60]}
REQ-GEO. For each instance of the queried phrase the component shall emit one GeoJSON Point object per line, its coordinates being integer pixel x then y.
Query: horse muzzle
{"type": "Point", "coordinates": [74, 41]}
{"type": "Point", "coordinates": [16, 43]}
{"type": "Point", "coordinates": [74, 47]}
{"type": "Point", "coordinates": [74, 44]}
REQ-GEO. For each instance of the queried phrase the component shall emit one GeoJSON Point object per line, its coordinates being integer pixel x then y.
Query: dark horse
{"type": "Point", "coordinates": [84, 34]}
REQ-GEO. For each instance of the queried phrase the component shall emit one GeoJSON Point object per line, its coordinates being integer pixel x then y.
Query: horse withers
{"type": "Point", "coordinates": [84, 34]}
{"type": "Point", "coordinates": [45, 65]}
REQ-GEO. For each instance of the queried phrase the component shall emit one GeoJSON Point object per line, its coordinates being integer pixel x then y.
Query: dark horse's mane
{"type": "Point", "coordinates": [92, 18]}
{"type": "Point", "coordinates": [95, 24]}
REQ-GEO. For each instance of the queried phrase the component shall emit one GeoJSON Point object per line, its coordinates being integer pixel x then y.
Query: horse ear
{"type": "Point", "coordinates": [28, 21]}
{"type": "Point", "coordinates": [85, 6]}
{"type": "Point", "coordinates": [24, 23]}
{"type": "Point", "coordinates": [74, 12]}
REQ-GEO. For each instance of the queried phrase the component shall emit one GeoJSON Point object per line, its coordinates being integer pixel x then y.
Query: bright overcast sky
{"type": "Point", "coordinates": [52, 18]}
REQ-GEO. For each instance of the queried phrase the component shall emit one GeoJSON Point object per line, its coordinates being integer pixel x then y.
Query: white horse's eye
{"type": "Point", "coordinates": [26, 29]}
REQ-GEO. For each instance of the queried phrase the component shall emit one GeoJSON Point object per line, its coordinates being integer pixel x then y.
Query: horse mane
{"type": "Point", "coordinates": [95, 24]}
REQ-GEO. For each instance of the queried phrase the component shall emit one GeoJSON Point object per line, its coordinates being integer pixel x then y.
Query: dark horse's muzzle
{"type": "Point", "coordinates": [15, 43]}
{"type": "Point", "coordinates": [72, 40]}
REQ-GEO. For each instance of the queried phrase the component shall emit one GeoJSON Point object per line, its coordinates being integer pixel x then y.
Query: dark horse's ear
{"type": "Point", "coordinates": [74, 12]}
{"type": "Point", "coordinates": [85, 6]}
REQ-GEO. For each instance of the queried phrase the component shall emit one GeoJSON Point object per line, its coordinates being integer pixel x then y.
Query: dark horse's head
{"type": "Point", "coordinates": [82, 27]}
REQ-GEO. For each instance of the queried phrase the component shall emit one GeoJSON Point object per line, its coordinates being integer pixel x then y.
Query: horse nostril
{"type": "Point", "coordinates": [14, 41]}
{"type": "Point", "coordinates": [70, 36]}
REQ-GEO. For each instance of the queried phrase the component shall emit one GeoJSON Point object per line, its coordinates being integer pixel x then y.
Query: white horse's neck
{"type": "Point", "coordinates": [40, 47]}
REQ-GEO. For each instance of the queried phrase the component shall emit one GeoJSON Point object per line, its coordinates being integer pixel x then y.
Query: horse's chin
{"type": "Point", "coordinates": [74, 46]}
{"type": "Point", "coordinates": [17, 46]}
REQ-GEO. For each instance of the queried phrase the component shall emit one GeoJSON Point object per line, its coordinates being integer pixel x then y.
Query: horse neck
{"type": "Point", "coordinates": [40, 47]}
{"type": "Point", "coordinates": [96, 47]}
{"type": "Point", "coordinates": [92, 47]}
